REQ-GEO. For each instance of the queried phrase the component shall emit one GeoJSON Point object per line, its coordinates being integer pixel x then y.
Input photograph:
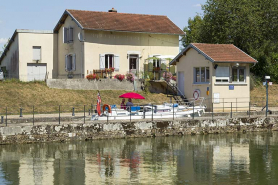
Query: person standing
{"type": "Point", "coordinates": [123, 104]}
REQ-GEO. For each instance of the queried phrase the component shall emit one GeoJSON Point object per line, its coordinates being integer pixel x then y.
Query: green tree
{"type": "Point", "coordinates": [251, 25]}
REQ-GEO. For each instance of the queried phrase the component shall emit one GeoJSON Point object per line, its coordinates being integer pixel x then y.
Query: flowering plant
{"type": "Point", "coordinates": [92, 77]}
{"type": "Point", "coordinates": [167, 76]}
{"type": "Point", "coordinates": [119, 77]}
{"type": "Point", "coordinates": [174, 78]}
{"type": "Point", "coordinates": [109, 70]}
{"type": "Point", "coordinates": [156, 69]}
{"type": "Point", "coordinates": [130, 77]}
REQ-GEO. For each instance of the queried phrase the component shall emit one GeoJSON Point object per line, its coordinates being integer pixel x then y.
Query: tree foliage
{"type": "Point", "coordinates": [251, 25]}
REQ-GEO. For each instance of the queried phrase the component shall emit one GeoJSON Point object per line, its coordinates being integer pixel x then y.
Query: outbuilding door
{"type": "Point", "coordinates": [36, 72]}
{"type": "Point", "coordinates": [181, 83]}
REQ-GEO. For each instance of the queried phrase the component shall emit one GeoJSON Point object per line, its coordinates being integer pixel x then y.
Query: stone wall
{"type": "Point", "coordinates": [102, 130]}
{"type": "Point", "coordinates": [102, 84]}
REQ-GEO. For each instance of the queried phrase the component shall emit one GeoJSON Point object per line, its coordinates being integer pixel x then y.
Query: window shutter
{"type": "Point", "coordinates": [73, 62]}
{"type": "Point", "coordinates": [117, 62]}
{"type": "Point", "coordinates": [65, 35]}
{"type": "Point", "coordinates": [163, 64]}
{"type": "Point", "coordinates": [222, 71]}
{"type": "Point", "coordinates": [70, 34]}
{"type": "Point", "coordinates": [150, 64]}
{"type": "Point", "coordinates": [101, 61]}
{"type": "Point", "coordinates": [66, 62]}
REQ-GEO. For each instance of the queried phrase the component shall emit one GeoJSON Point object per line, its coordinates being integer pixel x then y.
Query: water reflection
{"type": "Point", "coordinates": [235, 158]}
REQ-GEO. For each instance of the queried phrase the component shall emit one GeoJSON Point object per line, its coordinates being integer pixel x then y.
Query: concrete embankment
{"type": "Point", "coordinates": [46, 132]}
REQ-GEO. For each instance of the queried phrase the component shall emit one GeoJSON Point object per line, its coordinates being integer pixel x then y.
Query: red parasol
{"type": "Point", "coordinates": [132, 95]}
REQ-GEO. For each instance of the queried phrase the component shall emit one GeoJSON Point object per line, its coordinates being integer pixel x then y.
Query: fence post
{"type": "Point", "coordinates": [249, 109]}
{"type": "Point", "coordinates": [20, 112]}
{"type": "Point", "coordinates": [84, 113]}
{"type": "Point", "coordinates": [6, 116]}
{"type": "Point", "coordinates": [73, 114]}
{"type": "Point", "coordinates": [231, 109]}
{"type": "Point", "coordinates": [212, 111]}
{"type": "Point", "coordinates": [33, 115]}
{"type": "Point", "coordinates": [2, 119]}
{"type": "Point", "coordinates": [193, 109]}
{"type": "Point", "coordinates": [152, 112]}
{"type": "Point", "coordinates": [59, 114]}
{"type": "Point", "coordinates": [144, 113]}
{"type": "Point", "coordinates": [236, 104]}
{"type": "Point", "coordinates": [173, 112]}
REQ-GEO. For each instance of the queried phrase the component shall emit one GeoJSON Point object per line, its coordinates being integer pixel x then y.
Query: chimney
{"type": "Point", "coordinates": [113, 10]}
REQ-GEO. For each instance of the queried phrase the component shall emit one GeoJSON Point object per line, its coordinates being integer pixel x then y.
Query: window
{"type": "Point", "coordinates": [36, 53]}
{"type": "Point", "coordinates": [222, 74]}
{"type": "Point", "coordinates": [238, 74]}
{"type": "Point", "coordinates": [109, 61]}
{"type": "Point", "coordinates": [201, 75]}
{"type": "Point", "coordinates": [70, 62]}
{"type": "Point", "coordinates": [68, 35]}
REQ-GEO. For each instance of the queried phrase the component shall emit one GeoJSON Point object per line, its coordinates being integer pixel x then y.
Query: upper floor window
{"type": "Point", "coordinates": [222, 74]}
{"type": "Point", "coordinates": [201, 75]}
{"type": "Point", "coordinates": [238, 74]}
{"type": "Point", "coordinates": [68, 35]}
{"type": "Point", "coordinates": [36, 53]}
{"type": "Point", "coordinates": [70, 63]}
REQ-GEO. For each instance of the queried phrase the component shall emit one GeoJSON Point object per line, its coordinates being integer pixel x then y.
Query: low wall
{"type": "Point", "coordinates": [102, 130]}
{"type": "Point", "coordinates": [84, 84]}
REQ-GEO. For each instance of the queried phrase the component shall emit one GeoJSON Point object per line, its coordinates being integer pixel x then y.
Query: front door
{"type": "Point", "coordinates": [134, 63]}
{"type": "Point", "coordinates": [181, 83]}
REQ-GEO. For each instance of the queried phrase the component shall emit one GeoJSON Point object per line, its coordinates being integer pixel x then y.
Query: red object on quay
{"type": "Point", "coordinates": [132, 95]}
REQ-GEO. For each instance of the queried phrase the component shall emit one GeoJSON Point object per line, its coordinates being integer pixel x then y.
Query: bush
{"type": "Point", "coordinates": [119, 77]}
{"type": "Point", "coordinates": [92, 77]}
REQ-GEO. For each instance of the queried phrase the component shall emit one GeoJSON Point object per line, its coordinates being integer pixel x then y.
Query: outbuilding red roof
{"type": "Point", "coordinates": [224, 53]}
{"type": "Point", "coordinates": [125, 22]}
{"type": "Point", "coordinates": [217, 53]}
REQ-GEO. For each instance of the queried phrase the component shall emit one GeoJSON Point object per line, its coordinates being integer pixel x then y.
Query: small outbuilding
{"type": "Point", "coordinates": [218, 72]}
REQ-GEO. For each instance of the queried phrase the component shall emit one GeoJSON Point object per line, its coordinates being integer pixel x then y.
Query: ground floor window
{"type": "Point", "coordinates": [238, 74]}
{"type": "Point", "coordinates": [70, 62]}
{"type": "Point", "coordinates": [201, 75]}
{"type": "Point", "coordinates": [109, 61]}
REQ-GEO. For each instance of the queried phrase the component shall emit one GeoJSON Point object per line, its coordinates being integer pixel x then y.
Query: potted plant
{"type": "Point", "coordinates": [119, 77]}
{"type": "Point", "coordinates": [92, 77]}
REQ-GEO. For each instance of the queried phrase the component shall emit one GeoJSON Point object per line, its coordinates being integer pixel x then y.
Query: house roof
{"type": "Point", "coordinates": [221, 53]}
{"type": "Point", "coordinates": [15, 34]}
{"type": "Point", "coordinates": [121, 22]}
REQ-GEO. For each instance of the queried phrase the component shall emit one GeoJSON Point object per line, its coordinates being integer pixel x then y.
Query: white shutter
{"type": "Point", "coordinates": [65, 31]}
{"type": "Point", "coordinates": [101, 61]}
{"type": "Point", "coordinates": [66, 62]}
{"type": "Point", "coordinates": [70, 35]}
{"type": "Point", "coordinates": [73, 62]}
{"type": "Point", "coordinates": [117, 62]}
{"type": "Point", "coordinates": [150, 64]}
{"type": "Point", "coordinates": [36, 53]}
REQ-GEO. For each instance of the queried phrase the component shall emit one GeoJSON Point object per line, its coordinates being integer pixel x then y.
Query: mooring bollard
{"type": "Point", "coordinates": [89, 112]}
{"type": "Point", "coordinates": [144, 113]}
{"type": "Point", "coordinates": [2, 119]}
{"type": "Point", "coordinates": [193, 109]}
{"type": "Point", "coordinates": [20, 112]}
{"type": "Point", "coordinates": [231, 109]}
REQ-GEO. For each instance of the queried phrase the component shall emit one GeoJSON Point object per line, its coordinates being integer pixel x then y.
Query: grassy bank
{"type": "Point", "coordinates": [15, 94]}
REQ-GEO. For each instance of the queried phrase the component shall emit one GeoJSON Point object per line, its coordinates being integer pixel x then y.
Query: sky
{"type": "Point", "coordinates": [44, 14]}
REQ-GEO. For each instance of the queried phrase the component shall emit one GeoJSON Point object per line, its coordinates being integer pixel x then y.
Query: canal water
{"type": "Point", "coordinates": [250, 158]}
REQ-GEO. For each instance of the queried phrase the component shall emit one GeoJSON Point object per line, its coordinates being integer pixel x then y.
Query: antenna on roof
{"type": "Point", "coordinates": [80, 37]}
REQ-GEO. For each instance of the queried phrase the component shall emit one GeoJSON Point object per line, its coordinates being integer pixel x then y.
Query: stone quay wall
{"type": "Point", "coordinates": [47, 132]}
{"type": "Point", "coordinates": [102, 84]}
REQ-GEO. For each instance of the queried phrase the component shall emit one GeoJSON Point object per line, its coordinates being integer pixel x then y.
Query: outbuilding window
{"type": "Point", "coordinates": [201, 75]}
{"type": "Point", "coordinates": [222, 74]}
{"type": "Point", "coordinates": [238, 74]}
